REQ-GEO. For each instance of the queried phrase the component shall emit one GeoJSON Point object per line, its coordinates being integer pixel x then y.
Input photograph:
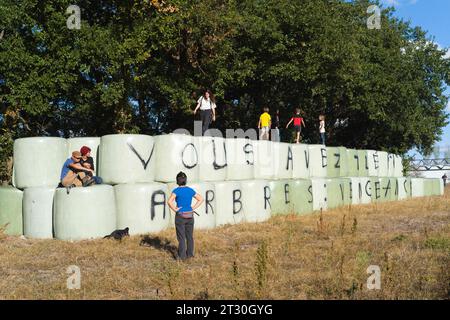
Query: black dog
{"type": "Point", "coordinates": [118, 234]}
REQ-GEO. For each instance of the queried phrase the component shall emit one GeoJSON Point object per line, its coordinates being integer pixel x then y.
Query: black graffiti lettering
{"type": "Point", "coordinates": [144, 163]}
{"type": "Point", "coordinates": [307, 159]}
{"type": "Point", "coordinates": [209, 197]}
{"type": "Point", "coordinates": [367, 191]}
{"type": "Point", "coordinates": [323, 152]}
{"type": "Point", "coordinates": [158, 203]}
{"type": "Point", "coordinates": [404, 186]}
{"type": "Point", "coordinates": [351, 190]}
{"type": "Point", "coordinates": [267, 197]}
{"type": "Point", "coordinates": [187, 166]}
{"type": "Point", "coordinates": [338, 158]}
{"type": "Point", "coordinates": [342, 191]}
{"type": "Point", "coordinates": [367, 162]}
{"type": "Point", "coordinates": [289, 159]}
{"type": "Point", "coordinates": [237, 199]}
{"type": "Point", "coordinates": [388, 187]}
{"type": "Point", "coordinates": [396, 188]}
{"type": "Point", "coordinates": [360, 190]}
{"type": "Point", "coordinates": [377, 190]}
{"type": "Point", "coordinates": [310, 193]}
{"type": "Point", "coordinates": [375, 160]}
{"type": "Point", "coordinates": [248, 149]}
{"type": "Point", "coordinates": [215, 164]}
{"type": "Point", "coordinates": [357, 161]}
{"type": "Point", "coordinates": [286, 193]}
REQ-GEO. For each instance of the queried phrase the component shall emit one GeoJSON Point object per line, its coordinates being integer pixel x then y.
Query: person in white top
{"type": "Point", "coordinates": [207, 105]}
{"type": "Point", "coordinates": [322, 128]}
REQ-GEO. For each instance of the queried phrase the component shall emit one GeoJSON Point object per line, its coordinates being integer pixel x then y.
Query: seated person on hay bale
{"type": "Point", "coordinates": [88, 162]}
{"type": "Point", "coordinates": [73, 174]}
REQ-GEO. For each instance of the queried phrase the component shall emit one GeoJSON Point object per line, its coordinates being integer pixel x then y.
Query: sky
{"type": "Point", "coordinates": [432, 16]}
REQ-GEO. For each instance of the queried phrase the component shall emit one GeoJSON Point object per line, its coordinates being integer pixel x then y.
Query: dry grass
{"type": "Point", "coordinates": [318, 256]}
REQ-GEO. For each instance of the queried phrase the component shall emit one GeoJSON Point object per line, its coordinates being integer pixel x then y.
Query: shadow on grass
{"type": "Point", "coordinates": [160, 244]}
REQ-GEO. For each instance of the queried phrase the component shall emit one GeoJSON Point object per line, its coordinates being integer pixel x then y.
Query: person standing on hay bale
{"type": "Point", "coordinates": [184, 215]}
{"type": "Point", "coordinates": [207, 105]}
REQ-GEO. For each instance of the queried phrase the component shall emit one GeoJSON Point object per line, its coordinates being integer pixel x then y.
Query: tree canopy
{"type": "Point", "coordinates": [139, 66]}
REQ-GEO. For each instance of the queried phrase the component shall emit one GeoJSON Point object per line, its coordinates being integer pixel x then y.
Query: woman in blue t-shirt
{"type": "Point", "coordinates": [184, 219]}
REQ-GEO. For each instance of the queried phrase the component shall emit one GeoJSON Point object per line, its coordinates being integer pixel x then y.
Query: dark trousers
{"type": "Point", "coordinates": [322, 137]}
{"type": "Point", "coordinates": [185, 233]}
{"type": "Point", "coordinates": [206, 117]}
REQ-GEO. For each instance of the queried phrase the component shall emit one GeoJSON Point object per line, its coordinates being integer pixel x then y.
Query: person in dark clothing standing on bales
{"type": "Point", "coordinates": [207, 105]}
{"type": "Point", "coordinates": [184, 219]}
{"type": "Point", "coordinates": [444, 178]}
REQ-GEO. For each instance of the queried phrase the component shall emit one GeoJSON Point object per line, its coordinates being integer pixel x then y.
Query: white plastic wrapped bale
{"type": "Point", "coordinates": [398, 163]}
{"type": "Point", "coordinates": [317, 161]}
{"type": "Point", "coordinates": [366, 190]}
{"type": "Point", "coordinates": [142, 207]}
{"type": "Point", "coordinates": [84, 213]}
{"type": "Point", "coordinates": [300, 153]}
{"type": "Point", "coordinates": [441, 187]}
{"type": "Point", "coordinates": [212, 158]}
{"type": "Point", "coordinates": [175, 153]}
{"type": "Point", "coordinates": [206, 218]}
{"type": "Point", "coordinates": [126, 158]}
{"type": "Point", "coordinates": [93, 143]}
{"type": "Point", "coordinates": [363, 158]}
{"type": "Point", "coordinates": [38, 161]}
{"type": "Point", "coordinates": [373, 163]}
{"type": "Point", "coordinates": [265, 159]}
{"type": "Point", "coordinates": [417, 187]}
{"type": "Point", "coordinates": [391, 165]}
{"type": "Point", "coordinates": [38, 212]}
{"type": "Point", "coordinates": [302, 196]}
{"type": "Point", "coordinates": [11, 210]}
{"type": "Point", "coordinates": [319, 191]}
{"type": "Point", "coordinates": [337, 162]}
{"type": "Point", "coordinates": [281, 197]}
{"type": "Point", "coordinates": [229, 202]}
{"type": "Point", "coordinates": [394, 189]}
{"type": "Point", "coordinates": [383, 170]}
{"type": "Point", "coordinates": [376, 189]}
{"type": "Point", "coordinates": [283, 160]}
{"type": "Point", "coordinates": [241, 159]}
{"type": "Point", "coordinates": [256, 199]}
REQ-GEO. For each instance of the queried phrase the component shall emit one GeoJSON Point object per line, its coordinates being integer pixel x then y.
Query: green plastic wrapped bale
{"type": "Point", "coordinates": [84, 213]}
{"type": "Point", "coordinates": [338, 192]}
{"type": "Point", "coordinates": [318, 161]}
{"type": "Point", "coordinates": [38, 212]}
{"type": "Point", "coordinates": [38, 161]}
{"type": "Point", "coordinates": [337, 162]}
{"type": "Point", "coordinates": [256, 200]}
{"type": "Point", "coordinates": [11, 210]}
{"type": "Point", "coordinates": [319, 191]}
{"type": "Point", "coordinates": [363, 163]}
{"type": "Point", "coordinates": [302, 196]}
{"type": "Point", "coordinates": [229, 202]}
{"type": "Point", "coordinates": [417, 187]}
{"type": "Point", "coordinates": [281, 197]}
{"type": "Point", "coordinates": [404, 188]}
{"type": "Point", "coordinates": [353, 163]}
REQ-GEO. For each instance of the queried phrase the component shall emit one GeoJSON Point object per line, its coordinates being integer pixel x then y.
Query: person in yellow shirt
{"type": "Point", "coordinates": [265, 122]}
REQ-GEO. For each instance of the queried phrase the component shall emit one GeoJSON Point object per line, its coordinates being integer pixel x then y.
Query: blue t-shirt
{"type": "Point", "coordinates": [65, 168]}
{"type": "Point", "coordinates": [184, 197]}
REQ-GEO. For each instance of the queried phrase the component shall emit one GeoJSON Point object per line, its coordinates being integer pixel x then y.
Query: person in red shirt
{"type": "Point", "coordinates": [298, 122]}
